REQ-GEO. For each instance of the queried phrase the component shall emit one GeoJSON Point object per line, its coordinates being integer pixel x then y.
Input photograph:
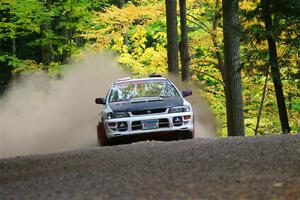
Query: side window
{"type": "Point", "coordinates": [113, 96]}
{"type": "Point", "coordinates": [171, 90]}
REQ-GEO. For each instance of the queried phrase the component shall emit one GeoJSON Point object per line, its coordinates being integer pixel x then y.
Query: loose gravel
{"type": "Point", "coordinates": [262, 167]}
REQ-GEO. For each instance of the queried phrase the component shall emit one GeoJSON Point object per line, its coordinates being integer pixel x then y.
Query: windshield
{"type": "Point", "coordinates": [139, 89]}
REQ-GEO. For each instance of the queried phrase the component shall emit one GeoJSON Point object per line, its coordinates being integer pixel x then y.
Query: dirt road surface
{"type": "Point", "coordinates": [263, 167]}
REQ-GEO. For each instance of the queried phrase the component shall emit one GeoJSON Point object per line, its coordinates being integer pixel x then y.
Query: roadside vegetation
{"type": "Point", "coordinates": [44, 35]}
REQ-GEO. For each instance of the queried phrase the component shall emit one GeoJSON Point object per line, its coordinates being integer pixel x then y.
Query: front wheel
{"type": "Point", "coordinates": [185, 135]}
{"type": "Point", "coordinates": [102, 138]}
{"type": "Point", "coordinates": [189, 135]}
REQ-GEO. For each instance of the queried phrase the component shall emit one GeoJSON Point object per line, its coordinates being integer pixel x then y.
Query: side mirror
{"type": "Point", "coordinates": [100, 101]}
{"type": "Point", "coordinates": [186, 93]}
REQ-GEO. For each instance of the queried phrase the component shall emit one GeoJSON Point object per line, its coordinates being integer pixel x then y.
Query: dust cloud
{"type": "Point", "coordinates": [205, 122]}
{"type": "Point", "coordinates": [41, 115]}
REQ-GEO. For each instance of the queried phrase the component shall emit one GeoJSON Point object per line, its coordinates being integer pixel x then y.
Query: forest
{"type": "Point", "coordinates": [192, 39]}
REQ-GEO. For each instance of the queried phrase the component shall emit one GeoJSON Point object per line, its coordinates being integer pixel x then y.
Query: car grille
{"type": "Point", "coordinates": [162, 123]}
{"type": "Point", "coordinates": [149, 111]}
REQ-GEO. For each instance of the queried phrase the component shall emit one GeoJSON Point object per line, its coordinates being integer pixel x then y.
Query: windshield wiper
{"type": "Point", "coordinates": [158, 98]}
{"type": "Point", "coordinates": [164, 96]}
{"type": "Point", "coordinates": [138, 100]}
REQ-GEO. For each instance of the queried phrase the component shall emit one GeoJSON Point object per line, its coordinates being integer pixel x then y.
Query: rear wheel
{"type": "Point", "coordinates": [102, 138]}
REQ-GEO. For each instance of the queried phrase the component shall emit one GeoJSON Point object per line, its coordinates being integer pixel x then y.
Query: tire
{"type": "Point", "coordinates": [102, 139]}
{"type": "Point", "coordinates": [189, 135]}
{"type": "Point", "coordinates": [183, 135]}
{"type": "Point", "coordinates": [193, 133]}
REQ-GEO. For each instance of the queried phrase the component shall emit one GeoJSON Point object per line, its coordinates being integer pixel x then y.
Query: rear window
{"type": "Point", "coordinates": [127, 91]}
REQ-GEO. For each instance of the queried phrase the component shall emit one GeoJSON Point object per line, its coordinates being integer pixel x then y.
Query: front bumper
{"type": "Point", "coordinates": [167, 122]}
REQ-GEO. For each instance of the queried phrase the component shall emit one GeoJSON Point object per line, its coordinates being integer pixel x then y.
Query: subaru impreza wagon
{"type": "Point", "coordinates": [144, 107]}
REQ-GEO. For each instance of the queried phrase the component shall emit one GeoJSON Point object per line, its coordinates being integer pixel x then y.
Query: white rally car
{"type": "Point", "coordinates": [145, 108]}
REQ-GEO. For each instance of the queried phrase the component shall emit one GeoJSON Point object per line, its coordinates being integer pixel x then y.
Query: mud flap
{"type": "Point", "coordinates": [193, 135]}
{"type": "Point", "coordinates": [102, 141]}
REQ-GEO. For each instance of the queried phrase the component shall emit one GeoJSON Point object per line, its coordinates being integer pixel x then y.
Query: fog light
{"type": "Point", "coordinates": [187, 117]}
{"type": "Point", "coordinates": [177, 121]}
{"type": "Point", "coordinates": [122, 126]}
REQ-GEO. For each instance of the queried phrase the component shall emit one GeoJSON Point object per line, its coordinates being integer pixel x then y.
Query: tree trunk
{"type": "Point", "coordinates": [233, 81]}
{"type": "Point", "coordinates": [13, 40]}
{"type": "Point", "coordinates": [290, 98]}
{"type": "Point", "coordinates": [275, 68]}
{"type": "Point", "coordinates": [66, 53]}
{"type": "Point", "coordinates": [120, 3]}
{"type": "Point", "coordinates": [172, 36]}
{"type": "Point", "coordinates": [183, 45]}
{"type": "Point", "coordinates": [261, 104]}
{"type": "Point", "coordinates": [46, 48]}
{"type": "Point", "coordinates": [13, 46]}
{"type": "Point", "coordinates": [215, 41]}
{"type": "Point", "coordinates": [68, 35]}
{"type": "Point", "coordinates": [92, 4]}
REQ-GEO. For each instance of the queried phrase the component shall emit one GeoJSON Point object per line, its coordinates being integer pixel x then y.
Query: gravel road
{"type": "Point", "coordinates": [263, 167]}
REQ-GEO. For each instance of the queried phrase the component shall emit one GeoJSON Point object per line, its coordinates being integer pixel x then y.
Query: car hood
{"type": "Point", "coordinates": [128, 106]}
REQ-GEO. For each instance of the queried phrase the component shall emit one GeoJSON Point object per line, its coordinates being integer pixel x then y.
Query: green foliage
{"type": "Point", "coordinates": [255, 59]}
{"type": "Point", "coordinates": [28, 26]}
{"type": "Point", "coordinates": [137, 33]}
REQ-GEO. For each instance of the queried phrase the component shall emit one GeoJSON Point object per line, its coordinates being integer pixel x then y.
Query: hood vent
{"type": "Point", "coordinates": [149, 111]}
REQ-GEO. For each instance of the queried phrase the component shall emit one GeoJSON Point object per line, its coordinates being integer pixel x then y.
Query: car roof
{"type": "Point", "coordinates": [129, 80]}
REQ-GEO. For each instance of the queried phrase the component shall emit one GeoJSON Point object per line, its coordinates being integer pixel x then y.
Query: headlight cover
{"type": "Point", "coordinates": [179, 109]}
{"type": "Point", "coordinates": [113, 115]}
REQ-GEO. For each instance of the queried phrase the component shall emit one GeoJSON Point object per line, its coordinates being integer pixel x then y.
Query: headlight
{"type": "Point", "coordinates": [117, 115]}
{"type": "Point", "coordinates": [179, 109]}
{"type": "Point", "coordinates": [120, 114]}
{"type": "Point", "coordinates": [109, 115]}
